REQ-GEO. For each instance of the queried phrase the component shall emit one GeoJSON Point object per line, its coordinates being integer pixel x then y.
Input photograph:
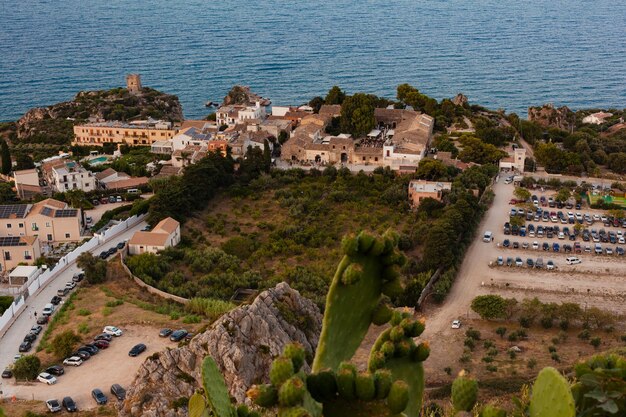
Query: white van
{"type": "Point", "coordinates": [488, 236]}
{"type": "Point", "coordinates": [573, 260]}
{"type": "Point", "coordinates": [48, 309]}
{"type": "Point", "coordinates": [132, 191]}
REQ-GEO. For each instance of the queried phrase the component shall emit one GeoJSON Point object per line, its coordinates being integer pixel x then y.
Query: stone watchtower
{"type": "Point", "coordinates": [133, 83]}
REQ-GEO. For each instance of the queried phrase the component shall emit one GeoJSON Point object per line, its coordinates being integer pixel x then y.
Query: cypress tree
{"type": "Point", "coordinates": [5, 156]}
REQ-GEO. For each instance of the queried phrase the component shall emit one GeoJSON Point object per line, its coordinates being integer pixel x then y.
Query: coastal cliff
{"type": "Point", "coordinates": [53, 124]}
{"type": "Point", "coordinates": [549, 116]}
{"type": "Point", "coordinates": [243, 342]}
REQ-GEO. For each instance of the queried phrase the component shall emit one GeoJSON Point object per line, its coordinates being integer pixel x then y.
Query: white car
{"type": "Point", "coordinates": [17, 357]}
{"type": "Point", "coordinates": [487, 237]}
{"type": "Point", "coordinates": [53, 405]}
{"type": "Point", "coordinates": [456, 324]}
{"type": "Point", "coordinates": [112, 330]}
{"type": "Point", "coordinates": [535, 245]}
{"type": "Point", "coordinates": [73, 361]}
{"type": "Point", "coordinates": [70, 285]}
{"type": "Point", "coordinates": [550, 266]}
{"type": "Point", "coordinates": [573, 260]}
{"type": "Point", "coordinates": [46, 378]}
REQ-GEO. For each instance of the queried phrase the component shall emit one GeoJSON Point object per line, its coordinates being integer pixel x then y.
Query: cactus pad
{"type": "Point", "coordinates": [464, 393]}
{"type": "Point", "coordinates": [551, 396]}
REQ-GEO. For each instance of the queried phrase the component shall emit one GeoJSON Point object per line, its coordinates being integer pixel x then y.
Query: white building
{"type": "Point", "coordinates": [165, 234]}
{"type": "Point", "coordinates": [70, 175]}
{"type": "Point", "coordinates": [597, 118]}
{"type": "Point", "coordinates": [233, 114]}
{"type": "Point", "coordinates": [515, 160]}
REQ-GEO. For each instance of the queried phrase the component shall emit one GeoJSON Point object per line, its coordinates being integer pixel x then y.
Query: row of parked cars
{"type": "Point", "coordinates": [99, 397]}
{"type": "Point", "coordinates": [566, 218]}
{"type": "Point", "coordinates": [566, 248]}
{"type": "Point", "coordinates": [175, 335]}
{"type": "Point", "coordinates": [530, 263]}
{"type": "Point", "coordinates": [113, 250]}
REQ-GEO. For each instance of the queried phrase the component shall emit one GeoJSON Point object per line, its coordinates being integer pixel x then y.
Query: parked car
{"type": "Point", "coordinates": [572, 260]}
{"type": "Point", "coordinates": [48, 309]}
{"type": "Point", "coordinates": [43, 319]}
{"type": "Point", "coordinates": [535, 245]}
{"type": "Point", "coordinates": [556, 247]}
{"type": "Point", "coordinates": [99, 396]}
{"type": "Point", "coordinates": [178, 335]}
{"type": "Point", "coordinates": [30, 337]}
{"type": "Point", "coordinates": [525, 245]}
{"type": "Point", "coordinates": [530, 263]}
{"type": "Point", "coordinates": [61, 292]}
{"type": "Point", "coordinates": [83, 354]}
{"type": "Point", "coordinates": [56, 300]}
{"type": "Point", "coordinates": [92, 350]}
{"type": "Point", "coordinates": [69, 404]}
{"type": "Point", "coordinates": [103, 336]}
{"type": "Point", "coordinates": [518, 261]}
{"type": "Point", "coordinates": [118, 391]}
{"type": "Point", "coordinates": [545, 246]}
{"type": "Point", "coordinates": [137, 349]}
{"type": "Point", "coordinates": [550, 265]}
{"type": "Point", "coordinates": [53, 406]}
{"type": "Point", "coordinates": [56, 370]}
{"type": "Point", "coordinates": [73, 361]}
{"type": "Point", "coordinates": [539, 263]}
{"type": "Point", "coordinates": [78, 277]}
{"type": "Point", "coordinates": [456, 324]}
{"type": "Point", "coordinates": [70, 285]}
{"type": "Point", "coordinates": [121, 245]}
{"type": "Point", "coordinates": [104, 254]}
{"type": "Point", "coordinates": [112, 330]}
{"type": "Point", "coordinates": [515, 245]}
{"type": "Point", "coordinates": [25, 347]}
{"type": "Point", "coordinates": [167, 332]}
{"type": "Point", "coordinates": [506, 243]}
{"type": "Point", "coordinates": [36, 329]}
{"type": "Point", "coordinates": [509, 261]}
{"type": "Point", "coordinates": [46, 378]}
{"type": "Point", "coordinates": [7, 373]}
{"type": "Point", "coordinates": [619, 251]}
{"type": "Point", "coordinates": [101, 344]}
{"type": "Point", "coordinates": [500, 261]}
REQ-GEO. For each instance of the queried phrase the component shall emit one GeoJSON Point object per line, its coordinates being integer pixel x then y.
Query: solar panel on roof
{"type": "Point", "coordinates": [66, 213]}
{"type": "Point", "coordinates": [46, 211]}
{"type": "Point", "coordinates": [7, 210]}
{"type": "Point", "coordinates": [9, 241]}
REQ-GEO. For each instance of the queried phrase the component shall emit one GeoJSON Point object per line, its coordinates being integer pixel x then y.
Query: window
{"type": "Point", "coordinates": [27, 255]}
{"type": "Point", "coordinates": [67, 235]}
{"type": "Point", "coordinates": [9, 226]}
{"type": "Point", "coordinates": [387, 154]}
{"type": "Point", "coordinates": [7, 256]}
{"type": "Point", "coordinates": [21, 225]}
{"type": "Point", "coordinates": [49, 238]}
{"type": "Point", "coordinates": [376, 159]}
{"type": "Point", "coordinates": [47, 224]}
{"type": "Point", "coordinates": [35, 228]}
{"type": "Point", "coordinates": [364, 158]}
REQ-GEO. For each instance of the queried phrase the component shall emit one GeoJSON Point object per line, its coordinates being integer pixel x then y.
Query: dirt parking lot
{"type": "Point", "coordinates": [598, 281]}
{"type": "Point", "coordinates": [110, 366]}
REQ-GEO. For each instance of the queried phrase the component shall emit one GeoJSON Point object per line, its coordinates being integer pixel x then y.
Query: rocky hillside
{"type": "Point", "coordinates": [549, 116]}
{"type": "Point", "coordinates": [242, 342]}
{"type": "Point", "coordinates": [53, 124]}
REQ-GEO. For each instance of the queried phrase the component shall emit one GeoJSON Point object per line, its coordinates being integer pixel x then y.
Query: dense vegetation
{"type": "Point", "coordinates": [259, 223]}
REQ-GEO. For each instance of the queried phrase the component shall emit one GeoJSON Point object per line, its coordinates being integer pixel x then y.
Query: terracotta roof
{"type": "Point", "coordinates": [332, 110]}
{"type": "Point", "coordinates": [167, 225]}
{"type": "Point", "coordinates": [198, 124]}
{"type": "Point", "coordinates": [106, 173]}
{"type": "Point", "coordinates": [52, 203]}
{"type": "Point", "coordinates": [148, 239]}
{"type": "Point", "coordinates": [127, 183]}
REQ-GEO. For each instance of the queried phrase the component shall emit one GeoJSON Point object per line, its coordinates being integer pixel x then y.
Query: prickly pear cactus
{"type": "Point", "coordinates": [396, 351]}
{"type": "Point", "coordinates": [464, 392]}
{"type": "Point", "coordinates": [551, 396]}
{"type": "Point", "coordinates": [368, 270]}
{"type": "Point", "coordinates": [492, 411]}
{"type": "Point", "coordinates": [216, 399]}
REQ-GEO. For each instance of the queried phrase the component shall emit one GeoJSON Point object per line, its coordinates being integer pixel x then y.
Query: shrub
{"type": "Point", "coordinates": [465, 358]}
{"type": "Point", "coordinates": [64, 343]}
{"type": "Point", "coordinates": [546, 322]}
{"type": "Point", "coordinates": [469, 343]}
{"type": "Point", "coordinates": [522, 334]}
{"type": "Point", "coordinates": [447, 370]}
{"type": "Point", "coordinates": [584, 335]}
{"type": "Point", "coordinates": [492, 352]}
{"type": "Point", "coordinates": [180, 403]}
{"type": "Point", "coordinates": [107, 311]}
{"type": "Point", "coordinates": [488, 344]}
{"type": "Point", "coordinates": [512, 337]}
{"type": "Point", "coordinates": [564, 324]}
{"type": "Point", "coordinates": [512, 354]}
{"type": "Point", "coordinates": [551, 349]}
{"type": "Point", "coordinates": [208, 307]}
{"type": "Point", "coordinates": [472, 334]}
{"type": "Point", "coordinates": [487, 359]}
{"type": "Point", "coordinates": [192, 318]}
{"type": "Point", "coordinates": [492, 368]}
{"type": "Point", "coordinates": [83, 328]}
{"type": "Point", "coordinates": [84, 312]}
{"type": "Point", "coordinates": [525, 321]}
{"type": "Point", "coordinates": [555, 357]}
{"type": "Point", "coordinates": [501, 331]}
{"type": "Point", "coordinates": [556, 340]}
{"type": "Point", "coordinates": [531, 363]}
{"type": "Point", "coordinates": [114, 303]}
{"type": "Point", "coordinates": [595, 342]}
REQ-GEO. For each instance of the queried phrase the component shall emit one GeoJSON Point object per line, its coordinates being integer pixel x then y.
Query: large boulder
{"type": "Point", "coordinates": [243, 343]}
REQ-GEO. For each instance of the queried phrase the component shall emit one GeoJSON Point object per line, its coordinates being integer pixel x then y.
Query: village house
{"type": "Point", "coordinates": [597, 118]}
{"type": "Point", "coordinates": [65, 175]}
{"type": "Point", "coordinates": [408, 134]}
{"type": "Point", "coordinates": [18, 250]}
{"type": "Point", "coordinates": [27, 184]}
{"type": "Point", "coordinates": [52, 220]}
{"type": "Point", "coordinates": [110, 179]}
{"type": "Point", "coordinates": [421, 189]}
{"type": "Point", "coordinates": [233, 114]}
{"type": "Point", "coordinates": [515, 159]}
{"type": "Point", "coordinates": [447, 159]}
{"type": "Point", "coordinates": [136, 133]}
{"type": "Point", "coordinates": [165, 234]}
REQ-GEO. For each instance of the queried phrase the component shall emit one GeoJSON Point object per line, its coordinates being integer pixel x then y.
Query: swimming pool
{"type": "Point", "coordinates": [99, 160]}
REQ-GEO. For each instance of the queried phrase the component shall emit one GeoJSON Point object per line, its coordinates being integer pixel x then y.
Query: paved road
{"type": "Point", "coordinates": [11, 340]}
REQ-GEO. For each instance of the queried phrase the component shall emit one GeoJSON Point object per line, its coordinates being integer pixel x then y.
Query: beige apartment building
{"type": "Point", "coordinates": [50, 220]}
{"type": "Point", "coordinates": [421, 189]}
{"type": "Point", "coordinates": [165, 234]}
{"type": "Point", "coordinates": [17, 250]}
{"type": "Point", "coordinates": [139, 133]}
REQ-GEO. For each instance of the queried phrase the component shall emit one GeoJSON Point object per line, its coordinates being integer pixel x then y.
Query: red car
{"type": "Point", "coordinates": [101, 344]}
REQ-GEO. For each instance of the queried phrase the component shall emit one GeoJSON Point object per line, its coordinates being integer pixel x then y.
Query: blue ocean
{"type": "Point", "coordinates": [505, 54]}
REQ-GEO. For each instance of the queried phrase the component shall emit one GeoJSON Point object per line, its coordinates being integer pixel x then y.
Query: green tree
{"type": "Point", "coordinates": [64, 343]}
{"type": "Point", "coordinates": [431, 169]}
{"type": "Point", "coordinates": [335, 96]}
{"type": "Point", "coordinates": [521, 193]}
{"type": "Point", "coordinates": [489, 306]}
{"type": "Point", "coordinates": [27, 367]}
{"type": "Point", "coordinates": [95, 269]}
{"type": "Point", "coordinates": [477, 151]}
{"type": "Point", "coordinates": [283, 137]}
{"type": "Point", "coordinates": [316, 103]}
{"type": "Point", "coordinates": [563, 195]}
{"type": "Point", "coordinates": [357, 114]}
{"type": "Point", "coordinates": [7, 195]}
{"type": "Point", "coordinates": [5, 157]}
